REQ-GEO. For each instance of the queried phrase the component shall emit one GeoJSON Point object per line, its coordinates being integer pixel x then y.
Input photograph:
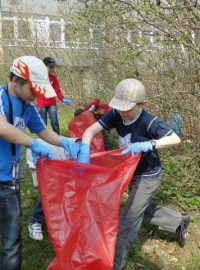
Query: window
{"type": "Point", "coordinates": [23, 30]}
{"type": "Point", "coordinates": [55, 32]}
{"type": "Point", "coordinates": [8, 29]}
{"type": "Point", "coordinates": [40, 30]}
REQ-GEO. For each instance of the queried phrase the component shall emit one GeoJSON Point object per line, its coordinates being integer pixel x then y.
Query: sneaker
{"type": "Point", "coordinates": [35, 231]}
{"type": "Point", "coordinates": [181, 231]}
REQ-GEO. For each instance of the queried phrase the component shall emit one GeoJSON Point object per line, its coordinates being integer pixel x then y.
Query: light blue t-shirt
{"type": "Point", "coordinates": [24, 116]}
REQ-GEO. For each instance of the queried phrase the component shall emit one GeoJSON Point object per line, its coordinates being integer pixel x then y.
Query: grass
{"type": "Point", "coordinates": [154, 248]}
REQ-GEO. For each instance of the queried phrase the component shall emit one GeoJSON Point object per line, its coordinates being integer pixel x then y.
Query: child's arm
{"type": "Point", "coordinates": [84, 154]}
{"type": "Point", "coordinates": [12, 134]}
{"type": "Point", "coordinates": [91, 132]}
{"type": "Point", "coordinates": [167, 141]}
{"type": "Point", "coordinates": [151, 145]}
{"type": "Point", "coordinates": [69, 144]}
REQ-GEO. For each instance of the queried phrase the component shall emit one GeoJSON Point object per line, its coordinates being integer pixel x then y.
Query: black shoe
{"type": "Point", "coordinates": [181, 231]}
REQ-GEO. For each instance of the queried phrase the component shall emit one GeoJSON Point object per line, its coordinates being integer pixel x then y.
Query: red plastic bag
{"type": "Point", "coordinates": [81, 205]}
{"type": "Point", "coordinates": [79, 124]}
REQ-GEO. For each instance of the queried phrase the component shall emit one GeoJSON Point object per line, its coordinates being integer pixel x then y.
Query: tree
{"type": "Point", "coordinates": [157, 40]}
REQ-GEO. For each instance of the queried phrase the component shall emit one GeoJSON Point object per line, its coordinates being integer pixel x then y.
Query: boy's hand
{"type": "Point", "coordinates": [71, 146]}
{"type": "Point", "coordinates": [138, 147]}
{"type": "Point", "coordinates": [92, 108]}
{"type": "Point", "coordinates": [67, 101]}
{"type": "Point", "coordinates": [84, 154]}
{"type": "Point", "coordinates": [39, 150]}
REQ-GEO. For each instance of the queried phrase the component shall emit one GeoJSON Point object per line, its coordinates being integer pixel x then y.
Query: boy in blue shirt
{"type": "Point", "coordinates": [28, 80]}
{"type": "Point", "coordinates": [139, 131]}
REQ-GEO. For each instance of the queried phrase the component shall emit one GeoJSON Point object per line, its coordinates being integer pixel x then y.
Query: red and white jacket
{"type": "Point", "coordinates": [46, 102]}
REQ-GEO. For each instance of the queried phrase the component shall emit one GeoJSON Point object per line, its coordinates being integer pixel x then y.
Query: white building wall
{"type": "Point", "coordinates": [40, 7]}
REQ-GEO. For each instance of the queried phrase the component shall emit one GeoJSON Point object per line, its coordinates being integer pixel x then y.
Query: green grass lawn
{"type": "Point", "coordinates": [154, 249]}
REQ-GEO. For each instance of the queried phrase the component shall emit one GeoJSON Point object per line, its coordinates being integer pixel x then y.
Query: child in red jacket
{"type": "Point", "coordinates": [98, 109]}
{"type": "Point", "coordinates": [48, 105]}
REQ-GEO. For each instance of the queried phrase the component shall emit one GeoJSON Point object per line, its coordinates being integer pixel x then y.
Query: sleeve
{"type": "Point", "coordinates": [104, 107]}
{"type": "Point", "coordinates": [157, 129]}
{"type": "Point", "coordinates": [35, 123]}
{"type": "Point", "coordinates": [56, 87]}
{"type": "Point", "coordinates": [2, 102]}
{"type": "Point", "coordinates": [108, 120]}
{"type": "Point", "coordinates": [95, 102]}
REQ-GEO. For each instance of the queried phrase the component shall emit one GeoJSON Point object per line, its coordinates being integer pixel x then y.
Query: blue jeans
{"type": "Point", "coordinates": [10, 227]}
{"type": "Point", "coordinates": [52, 112]}
{"type": "Point", "coordinates": [37, 215]}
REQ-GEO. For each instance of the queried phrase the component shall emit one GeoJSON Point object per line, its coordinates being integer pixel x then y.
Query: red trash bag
{"type": "Point", "coordinates": [81, 206]}
{"type": "Point", "coordinates": [79, 124]}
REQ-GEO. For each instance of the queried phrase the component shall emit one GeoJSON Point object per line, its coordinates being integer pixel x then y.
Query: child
{"type": "Point", "coordinates": [98, 109]}
{"type": "Point", "coordinates": [48, 105]}
{"type": "Point", "coordinates": [139, 131]}
{"type": "Point", "coordinates": [28, 80]}
{"type": "Point", "coordinates": [37, 218]}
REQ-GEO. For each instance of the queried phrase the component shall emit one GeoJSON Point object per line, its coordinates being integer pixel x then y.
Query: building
{"type": "Point", "coordinates": [38, 28]}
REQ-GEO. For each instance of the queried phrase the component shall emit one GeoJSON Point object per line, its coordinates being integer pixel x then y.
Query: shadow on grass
{"type": "Point", "coordinates": [137, 258]}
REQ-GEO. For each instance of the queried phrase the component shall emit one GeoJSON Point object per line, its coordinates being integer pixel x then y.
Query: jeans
{"type": "Point", "coordinates": [37, 215]}
{"type": "Point", "coordinates": [52, 112]}
{"type": "Point", "coordinates": [10, 227]}
{"type": "Point", "coordinates": [137, 208]}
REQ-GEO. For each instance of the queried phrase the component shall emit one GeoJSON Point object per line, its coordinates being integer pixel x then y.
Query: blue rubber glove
{"type": "Point", "coordinates": [92, 108]}
{"type": "Point", "coordinates": [71, 146]}
{"type": "Point", "coordinates": [39, 150]}
{"type": "Point", "coordinates": [138, 147]}
{"type": "Point", "coordinates": [67, 101]}
{"type": "Point", "coordinates": [84, 153]}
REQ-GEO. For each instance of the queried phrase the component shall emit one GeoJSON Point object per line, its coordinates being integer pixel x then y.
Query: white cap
{"type": "Point", "coordinates": [128, 93]}
{"type": "Point", "coordinates": [34, 70]}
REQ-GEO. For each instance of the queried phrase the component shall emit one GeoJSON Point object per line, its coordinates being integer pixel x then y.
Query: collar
{"type": "Point", "coordinates": [134, 120]}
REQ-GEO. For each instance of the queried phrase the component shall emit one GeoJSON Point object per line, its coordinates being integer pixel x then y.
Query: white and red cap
{"type": "Point", "coordinates": [34, 70]}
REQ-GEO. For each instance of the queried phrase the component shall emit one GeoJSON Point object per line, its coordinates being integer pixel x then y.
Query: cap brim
{"type": "Point", "coordinates": [121, 105]}
{"type": "Point", "coordinates": [50, 92]}
{"type": "Point", "coordinates": [53, 65]}
{"type": "Point", "coordinates": [43, 90]}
